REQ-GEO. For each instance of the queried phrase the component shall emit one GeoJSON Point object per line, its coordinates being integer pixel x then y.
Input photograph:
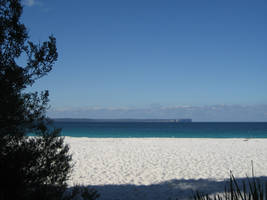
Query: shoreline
{"type": "Point", "coordinates": [199, 138]}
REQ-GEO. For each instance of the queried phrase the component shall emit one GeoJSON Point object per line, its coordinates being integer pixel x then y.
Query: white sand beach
{"type": "Point", "coordinates": [163, 168]}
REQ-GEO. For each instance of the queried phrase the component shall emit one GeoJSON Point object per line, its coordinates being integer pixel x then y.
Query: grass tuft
{"type": "Point", "coordinates": [251, 189]}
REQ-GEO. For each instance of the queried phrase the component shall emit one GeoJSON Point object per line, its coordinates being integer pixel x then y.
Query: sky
{"type": "Point", "coordinates": [199, 59]}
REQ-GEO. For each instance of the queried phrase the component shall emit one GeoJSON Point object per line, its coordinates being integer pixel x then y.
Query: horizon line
{"type": "Point", "coordinates": [154, 119]}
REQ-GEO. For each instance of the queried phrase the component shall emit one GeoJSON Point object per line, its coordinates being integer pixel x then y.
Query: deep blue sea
{"type": "Point", "coordinates": [163, 130]}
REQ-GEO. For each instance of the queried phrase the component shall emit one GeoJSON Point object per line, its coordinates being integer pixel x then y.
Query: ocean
{"type": "Point", "coordinates": [163, 130]}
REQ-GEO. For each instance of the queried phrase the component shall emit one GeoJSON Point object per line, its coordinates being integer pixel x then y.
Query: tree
{"type": "Point", "coordinates": [30, 167]}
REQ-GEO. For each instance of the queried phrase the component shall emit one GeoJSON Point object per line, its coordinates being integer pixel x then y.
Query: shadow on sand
{"type": "Point", "coordinates": [168, 190]}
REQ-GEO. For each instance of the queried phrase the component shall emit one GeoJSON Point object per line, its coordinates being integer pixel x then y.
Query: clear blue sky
{"type": "Point", "coordinates": [119, 58]}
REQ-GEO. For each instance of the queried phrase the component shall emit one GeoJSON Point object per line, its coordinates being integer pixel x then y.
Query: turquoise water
{"type": "Point", "coordinates": [161, 130]}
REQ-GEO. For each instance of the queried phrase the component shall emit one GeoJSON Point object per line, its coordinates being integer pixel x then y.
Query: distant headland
{"type": "Point", "coordinates": [122, 120]}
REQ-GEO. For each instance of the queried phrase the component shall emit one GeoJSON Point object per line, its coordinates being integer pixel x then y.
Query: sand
{"type": "Point", "coordinates": [163, 168]}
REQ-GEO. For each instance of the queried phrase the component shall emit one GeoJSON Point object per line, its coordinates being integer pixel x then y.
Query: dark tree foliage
{"type": "Point", "coordinates": [30, 167]}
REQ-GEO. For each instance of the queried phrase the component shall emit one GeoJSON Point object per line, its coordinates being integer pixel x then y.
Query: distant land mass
{"type": "Point", "coordinates": [121, 120]}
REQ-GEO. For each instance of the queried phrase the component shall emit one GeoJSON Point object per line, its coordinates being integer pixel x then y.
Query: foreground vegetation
{"type": "Point", "coordinates": [251, 189]}
{"type": "Point", "coordinates": [36, 167]}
